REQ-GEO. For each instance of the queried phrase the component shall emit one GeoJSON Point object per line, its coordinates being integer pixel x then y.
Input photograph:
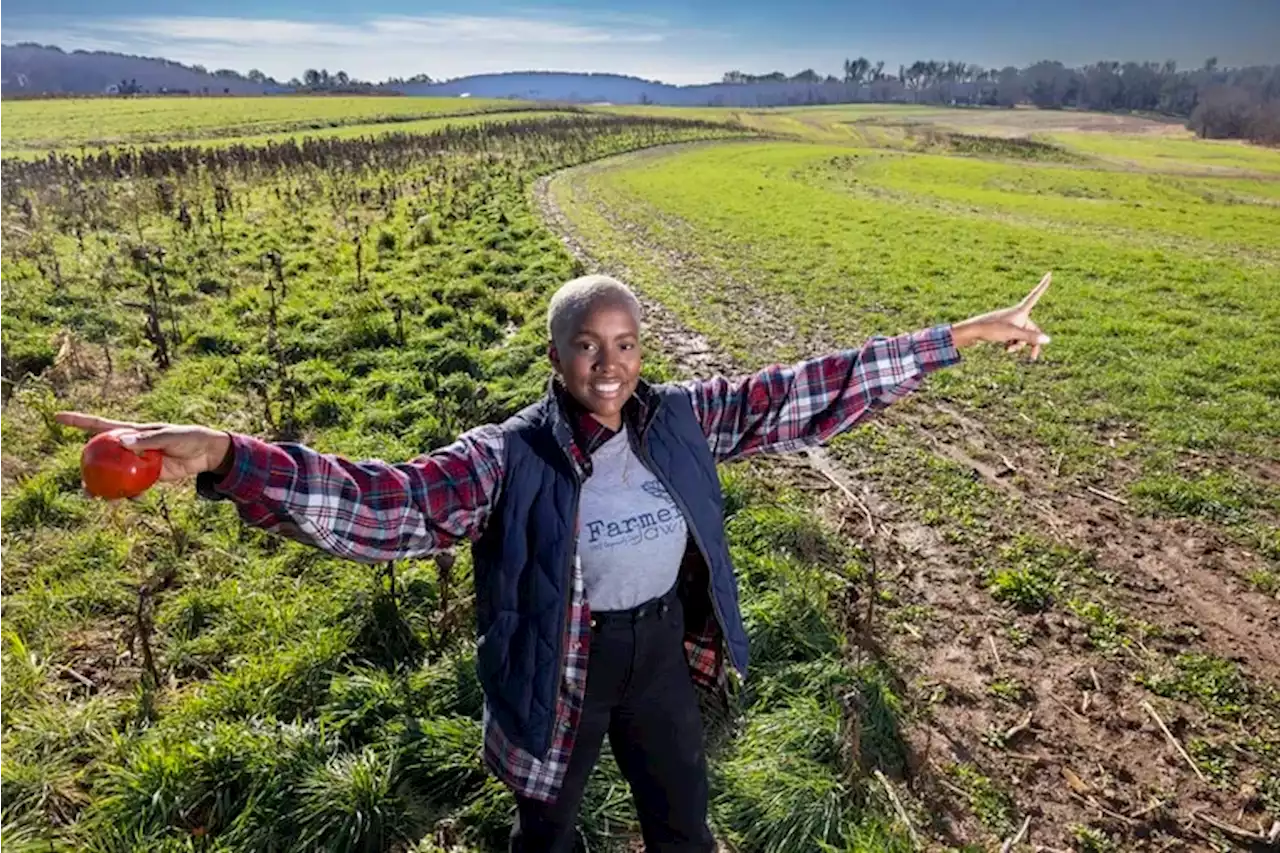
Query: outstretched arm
{"type": "Point", "coordinates": [369, 511]}
{"type": "Point", "coordinates": [781, 409]}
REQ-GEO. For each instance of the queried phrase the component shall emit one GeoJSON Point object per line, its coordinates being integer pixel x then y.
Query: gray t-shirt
{"type": "Point", "coordinates": [633, 535]}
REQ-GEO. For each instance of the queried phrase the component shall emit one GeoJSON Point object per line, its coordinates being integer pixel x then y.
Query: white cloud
{"type": "Point", "coordinates": [380, 31]}
{"type": "Point", "coordinates": [383, 46]}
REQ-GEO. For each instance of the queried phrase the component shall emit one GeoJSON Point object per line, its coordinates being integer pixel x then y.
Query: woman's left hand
{"type": "Point", "coordinates": [1012, 327]}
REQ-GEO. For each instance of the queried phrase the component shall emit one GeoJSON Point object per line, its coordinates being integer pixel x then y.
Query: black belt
{"type": "Point", "coordinates": [653, 607]}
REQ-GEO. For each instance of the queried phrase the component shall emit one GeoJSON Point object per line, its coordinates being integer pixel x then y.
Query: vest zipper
{"type": "Point", "coordinates": [697, 540]}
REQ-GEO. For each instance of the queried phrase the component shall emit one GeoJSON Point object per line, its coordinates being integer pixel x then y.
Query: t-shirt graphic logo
{"type": "Point", "coordinates": [654, 490]}
{"type": "Point", "coordinates": [636, 524]}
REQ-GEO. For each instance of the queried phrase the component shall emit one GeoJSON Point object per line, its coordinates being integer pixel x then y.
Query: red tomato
{"type": "Point", "coordinates": [110, 470]}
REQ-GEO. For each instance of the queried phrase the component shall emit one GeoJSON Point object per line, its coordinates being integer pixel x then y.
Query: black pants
{"type": "Point", "coordinates": [639, 693]}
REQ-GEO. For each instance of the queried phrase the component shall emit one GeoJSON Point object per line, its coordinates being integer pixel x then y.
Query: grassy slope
{"type": "Point", "coordinates": [1175, 154]}
{"type": "Point", "coordinates": [1141, 330]}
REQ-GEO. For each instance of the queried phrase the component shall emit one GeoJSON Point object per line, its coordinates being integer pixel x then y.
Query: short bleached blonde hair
{"type": "Point", "coordinates": [571, 302]}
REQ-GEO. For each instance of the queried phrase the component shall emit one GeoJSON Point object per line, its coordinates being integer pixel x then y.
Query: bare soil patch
{"type": "Point", "coordinates": [1024, 121]}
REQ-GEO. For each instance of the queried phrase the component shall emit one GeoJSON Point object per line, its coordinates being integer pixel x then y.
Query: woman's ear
{"type": "Point", "coordinates": [554, 355]}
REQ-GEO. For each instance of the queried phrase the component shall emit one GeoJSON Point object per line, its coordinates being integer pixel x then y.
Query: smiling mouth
{"type": "Point", "coordinates": [606, 389]}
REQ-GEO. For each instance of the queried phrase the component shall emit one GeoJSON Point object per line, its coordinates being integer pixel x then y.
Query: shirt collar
{"type": "Point", "coordinates": [588, 433]}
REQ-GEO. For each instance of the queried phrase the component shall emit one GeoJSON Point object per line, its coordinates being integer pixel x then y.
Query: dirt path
{"type": "Point", "coordinates": [1030, 700]}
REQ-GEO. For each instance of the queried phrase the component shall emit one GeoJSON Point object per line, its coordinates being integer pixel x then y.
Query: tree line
{"type": "Point", "coordinates": [317, 80]}
{"type": "Point", "coordinates": [1216, 101]}
{"type": "Point", "coordinates": [322, 81]}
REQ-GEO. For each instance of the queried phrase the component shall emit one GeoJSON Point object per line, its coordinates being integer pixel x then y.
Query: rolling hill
{"type": "Point", "coordinates": [30, 69]}
{"type": "Point", "coordinates": [38, 69]}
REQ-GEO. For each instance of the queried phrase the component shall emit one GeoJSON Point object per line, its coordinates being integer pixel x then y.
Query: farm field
{"type": "Point", "coordinates": [95, 122]}
{"type": "Point", "coordinates": [1068, 557]}
{"type": "Point", "coordinates": [1071, 539]}
{"type": "Point", "coordinates": [341, 131]}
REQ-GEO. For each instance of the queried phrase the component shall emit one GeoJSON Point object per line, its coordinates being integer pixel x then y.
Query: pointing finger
{"type": "Point", "coordinates": [94, 424]}
{"type": "Point", "coordinates": [1034, 296]}
{"type": "Point", "coordinates": [1032, 335]}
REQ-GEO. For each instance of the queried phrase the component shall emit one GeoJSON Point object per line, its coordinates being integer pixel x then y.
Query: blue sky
{"type": "Point", "coordinates": [672, 40]}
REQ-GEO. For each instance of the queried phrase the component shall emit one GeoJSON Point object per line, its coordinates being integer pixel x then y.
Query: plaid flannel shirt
{"type": "Point", "coordinates": [373, 511]}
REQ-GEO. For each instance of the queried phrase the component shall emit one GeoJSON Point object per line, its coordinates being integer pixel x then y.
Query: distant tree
{"type": "Point", "coordinates": [256, 76]}
{"type": "Point", "coordinates": [1224, 112]}
{"type": "Point", "coordinates": [1049, 84]}
{"type": "Point", "coordinates": [807, 76]}
{"type": "Point", "coordinates": [914, 77]}
{"type": "Point", "coordinates": [311, 78]}
{"type": "Point", "coordinates": [1008, 87]}
{"type": "Point", "coordinates": [341, 79]}
{"type": "Point", "coordinates": [856, 70]}
{"type": "Point", "coordinates": [1265, 127]}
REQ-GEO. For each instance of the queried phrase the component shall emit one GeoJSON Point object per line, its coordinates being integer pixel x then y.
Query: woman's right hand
{"type": "Point", "coordinates": [188, 450]}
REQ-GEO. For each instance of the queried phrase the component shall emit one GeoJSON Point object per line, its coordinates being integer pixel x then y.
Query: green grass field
{"type": "Point", "coordinates": [1174, 154]}
{"type": "Point", "coordinates": [95, 122]}
{"type": "Point", "coordinates": [173, 681]}
{"type": "Point", "coordinates": [861, 242]}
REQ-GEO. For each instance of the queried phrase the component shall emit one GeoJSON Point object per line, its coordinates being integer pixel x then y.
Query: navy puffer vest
{"type": "Point", "coordinates": [524, 559]}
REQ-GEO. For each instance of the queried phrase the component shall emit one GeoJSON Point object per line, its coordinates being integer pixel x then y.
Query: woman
{"type": "Point", "coordinates": [604, 586]}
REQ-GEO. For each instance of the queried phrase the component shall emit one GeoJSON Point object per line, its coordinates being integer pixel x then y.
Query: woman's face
{"type": "Point", "coordinates": [599, 361]}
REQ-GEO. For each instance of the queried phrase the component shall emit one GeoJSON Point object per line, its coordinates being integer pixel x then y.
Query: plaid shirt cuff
{"type": "Point", "coordinates": [250, 472]}
{"type": "Point", "coordinates": [934, 348]}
